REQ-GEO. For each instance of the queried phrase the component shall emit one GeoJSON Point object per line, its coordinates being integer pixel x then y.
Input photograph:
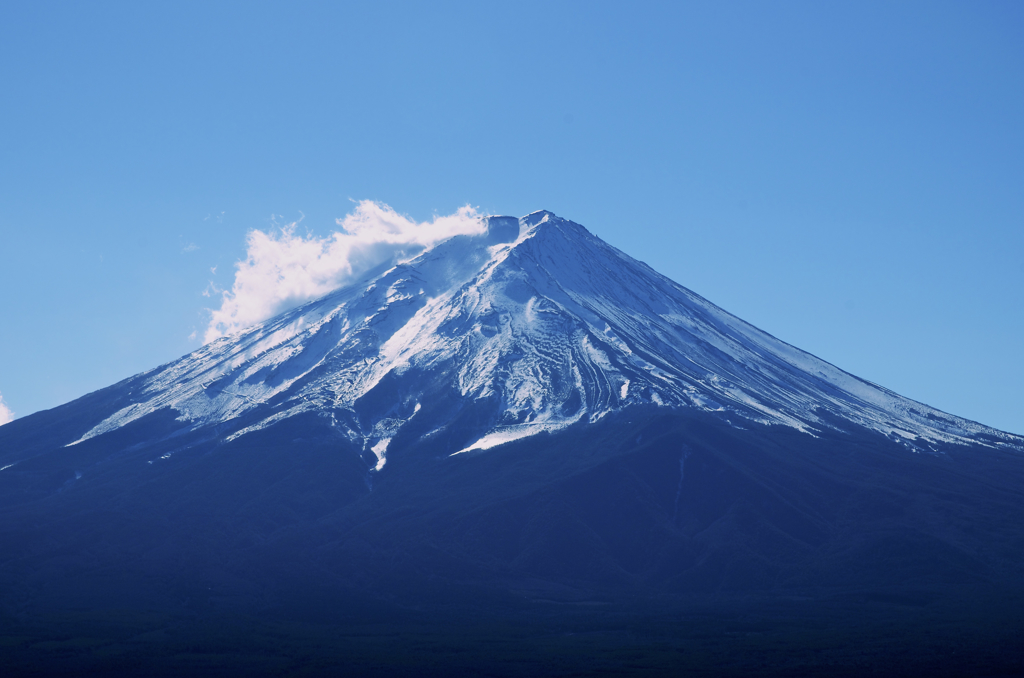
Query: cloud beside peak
{"type": "Point", "coordinates": [283, 269]}
{"type": "Point", "coordinates": [6, 415]}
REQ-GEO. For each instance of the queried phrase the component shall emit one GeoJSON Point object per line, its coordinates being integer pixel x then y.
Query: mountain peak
{"type": "Point", "coordinates": [502, 229]}
{"type": "Point", "coordinates": [534, 218]}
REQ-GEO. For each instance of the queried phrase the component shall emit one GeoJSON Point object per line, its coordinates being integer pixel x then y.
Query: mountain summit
{"type": "Point", "coordinates": [533, 326]}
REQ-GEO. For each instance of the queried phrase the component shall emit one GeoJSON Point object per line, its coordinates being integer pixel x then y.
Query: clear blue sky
{"type": "Point", "coordinates": [846, 176]}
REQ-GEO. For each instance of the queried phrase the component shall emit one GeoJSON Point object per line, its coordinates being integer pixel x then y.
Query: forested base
{"type": "Point", "coordinates": [725, 637]}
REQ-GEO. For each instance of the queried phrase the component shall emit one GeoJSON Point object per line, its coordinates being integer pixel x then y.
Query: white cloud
{"type": "Point", "coordinates": [6, 414]}
{"type": "Point", "coordinates": [283, 269]}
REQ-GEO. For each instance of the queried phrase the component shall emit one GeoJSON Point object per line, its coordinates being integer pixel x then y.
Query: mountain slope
{"type": "Point", "coordinates": [538, 325]}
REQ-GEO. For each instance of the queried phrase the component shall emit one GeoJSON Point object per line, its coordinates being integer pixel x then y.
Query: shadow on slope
{"type": "Point", "coordinates": [649, 514]}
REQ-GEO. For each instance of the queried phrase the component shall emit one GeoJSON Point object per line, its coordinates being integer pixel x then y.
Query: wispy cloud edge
{"type": "Point", "coordinates": [283, 268]}
{"type": "Point", "coordinates": [6, 414]}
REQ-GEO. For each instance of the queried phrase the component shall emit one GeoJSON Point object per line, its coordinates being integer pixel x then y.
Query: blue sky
{"type": "Point", "coordinates": [846, 176]}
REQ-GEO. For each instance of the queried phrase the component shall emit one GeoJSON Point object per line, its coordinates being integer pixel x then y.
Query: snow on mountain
{"type": "Point", "coordinates": [538, 319]}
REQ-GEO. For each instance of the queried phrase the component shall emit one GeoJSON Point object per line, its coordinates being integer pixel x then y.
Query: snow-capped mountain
{"type": "Point", "coordinates": [511, 429]}
{"type": "Point", "coordinates": [539, 325]}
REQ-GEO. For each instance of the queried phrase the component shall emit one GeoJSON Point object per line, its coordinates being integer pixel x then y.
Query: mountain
{"type": "Point", "coordinates": [522, 425]}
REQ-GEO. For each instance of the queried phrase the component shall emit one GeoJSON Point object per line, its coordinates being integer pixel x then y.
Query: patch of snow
{"type": "Point", "coordinates": [379, 449]}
